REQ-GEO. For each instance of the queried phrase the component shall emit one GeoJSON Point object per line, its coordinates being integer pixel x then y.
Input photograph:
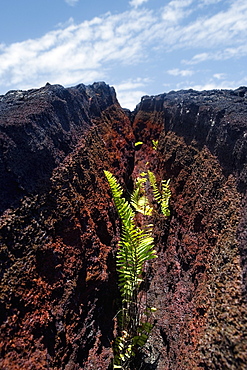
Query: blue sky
{"type": "Point", "coordinates": [141, 47]}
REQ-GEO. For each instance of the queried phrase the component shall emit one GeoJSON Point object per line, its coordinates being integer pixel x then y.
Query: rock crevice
{"type": "Point", "coordinates": [59, 228]}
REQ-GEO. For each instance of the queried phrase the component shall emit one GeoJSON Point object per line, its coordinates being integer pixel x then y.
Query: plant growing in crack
{"type": "Point", "coordinates": [162, 197]}
{"type": "Point", "coordinates": [136, 249]}
{"type": "Point", "coordinates": [155, 144]}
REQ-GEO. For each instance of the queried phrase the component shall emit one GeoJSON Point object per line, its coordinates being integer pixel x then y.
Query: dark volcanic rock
{"type": "Point", "coordinates": [199, 284]}
{"type": "Point", "coordinates": [58, 278]}
{"type": "Point", "coordinates": [217, 119]}
{"type": "Point", "coordinates": [38, 128]}
{"type": "Point", "coordinates": [59, 231]}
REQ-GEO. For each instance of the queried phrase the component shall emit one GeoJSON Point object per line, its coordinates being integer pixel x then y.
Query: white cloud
{"type": "Point", "coordinates": [210, 2]}
{"type": "Point", "coordinates": [224, 54]}
{"type": "Point", "coordinates": [198, 58]}
{"type": "Point", "coordinates": [136, 3]}
{"type": "Point", "coordinates": [76, 50]}
{"type": "Point", "coordinates": [129, 99]}
{"type": "Point", "coordinates": [219, 76]}
{"type": "Point", "coordinates": [211, 85]}
{"type": "Point", "coordinates": [218, 30]}
{"type": "Point", "coordinates": [214, 83]}
{"type": "Point", "coordinates": [92, 49]}
{"type": "Point", "coordinates": [180, 72]}
{"type": "Point", "coordinates": [176, 10]}
{"type": "Point", "coordinates": [71, 2]}
{"type": "Point", "coordinates": [128, 92]}
{"type": "Point", "coordinates": [131, 84]}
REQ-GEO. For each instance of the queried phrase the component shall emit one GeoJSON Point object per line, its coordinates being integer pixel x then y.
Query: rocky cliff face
{"type": "Point", "coordinates": [59, 228]}
{"type": "Point", "coordinates": [200, 277]}
{"type": "Point", "coordinates": [38, 129]}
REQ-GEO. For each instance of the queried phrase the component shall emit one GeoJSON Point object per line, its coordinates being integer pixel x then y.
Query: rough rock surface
{"type": "Point", "coordinates": [38, 128]}
{"type": "Point", "coordinates": [59, 228]}
{"type": "Point", "coordinates": [58, 279]}
{"type": "Point", "coordinates": [199, 282]}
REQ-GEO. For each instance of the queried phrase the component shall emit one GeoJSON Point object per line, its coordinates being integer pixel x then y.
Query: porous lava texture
{"type": "Point", "coordinates": [199, 280]}
{"type": "Point", "coordinates": [58, 278]}
{"type": "Point", "coordinates": [59, 228]}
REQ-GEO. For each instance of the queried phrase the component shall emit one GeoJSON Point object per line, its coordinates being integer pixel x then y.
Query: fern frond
{"type": "Point", "coordinates": [166, 194]}
{"type": "Point", "coordinates": [162, 197]}
{"type": "Point", "coordinates": [135, 248]}
{"type": "Point", "coordinates": [124, 210]}
{"type": "Point", "coordinates": [153, 183]}
{"type": "Point", "coordinates": [130, 260]}
{"type": "Point", "coordinates": [139, 200]}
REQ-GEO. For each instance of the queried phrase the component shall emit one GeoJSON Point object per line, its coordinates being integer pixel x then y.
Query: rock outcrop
{"type": "Point", "coordinates": [59, 228]}
{"type": "Point", "coordinates": [200, 276]}
{"type": "Point", "coordinates": [38, 129]}
{"type": "Point", "coordinates": [58, 274]}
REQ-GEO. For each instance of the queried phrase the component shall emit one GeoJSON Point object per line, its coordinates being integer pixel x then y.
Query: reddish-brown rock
{"type": "Point", "coordinates": [58, 284]}
{"type": "Point", "coordinates": [59, 231]}
{"type": "Point", "coordinates": [199, 281]}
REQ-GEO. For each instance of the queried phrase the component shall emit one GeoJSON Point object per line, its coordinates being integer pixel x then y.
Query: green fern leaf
{"type": "Point", "coordinates": [153, 182]}
{"type": "Point", "coordinates": [139, 200]}
{"type": "Point", "coordinates": [136, 247]}
{"type": "Point", "coordinates": [166, 194]}
{"type": "Point", "coordinates": [162, 197]}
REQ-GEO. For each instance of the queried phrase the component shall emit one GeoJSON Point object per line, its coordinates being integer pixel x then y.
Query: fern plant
{"type": "Point", "coordinates": [162, 197]}
{"type": "Point", "coordinates": [136, 248]}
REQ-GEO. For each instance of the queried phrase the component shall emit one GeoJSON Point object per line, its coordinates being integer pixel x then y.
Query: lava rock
{"type": "Point", "coordinates": [59, 228]}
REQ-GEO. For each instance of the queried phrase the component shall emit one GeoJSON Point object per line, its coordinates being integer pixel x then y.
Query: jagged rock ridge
{"type": "Point", "coordinates": [38, 128]}
{"type": "Point", "coordinates": [59, 228]}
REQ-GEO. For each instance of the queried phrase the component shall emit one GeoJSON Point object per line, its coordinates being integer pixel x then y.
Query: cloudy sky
{"type": "Point", "coordinates": [141, 47]}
